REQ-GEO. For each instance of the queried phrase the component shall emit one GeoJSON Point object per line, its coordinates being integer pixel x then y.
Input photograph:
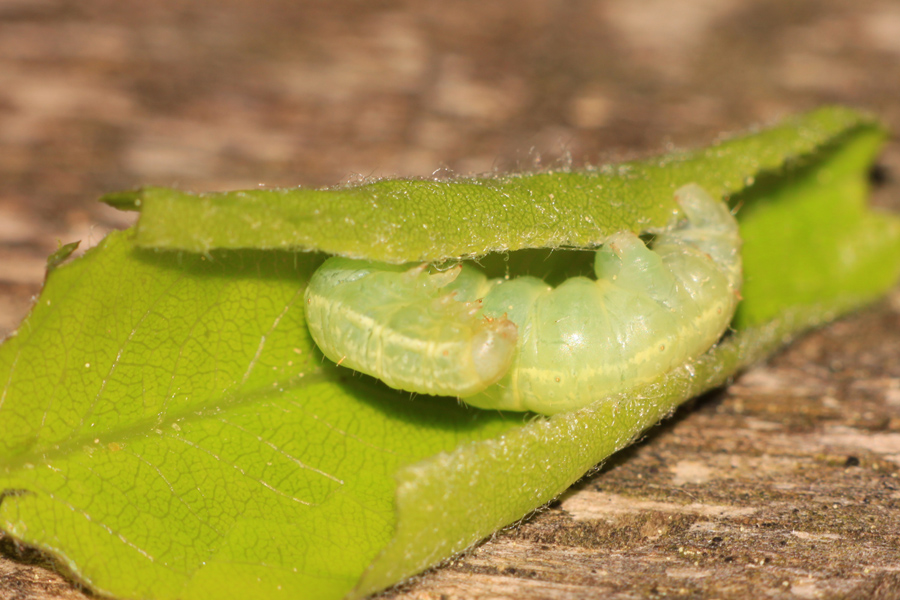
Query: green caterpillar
{"type": "Point", "coordinates": [522, 345]}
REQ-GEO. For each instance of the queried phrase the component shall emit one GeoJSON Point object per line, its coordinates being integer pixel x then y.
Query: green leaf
{"type": "Point", "coordinates": [810, 238]}
{"type": "Point", "coordinates": [168, 430]}
{"type": "Point", "coordinates": [422, 220]}
{"type": "Point", "coordinates": [61, 255]}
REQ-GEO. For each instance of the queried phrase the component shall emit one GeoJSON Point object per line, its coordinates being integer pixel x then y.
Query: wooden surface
{"type": "Point", "coordinates": [783, 485]}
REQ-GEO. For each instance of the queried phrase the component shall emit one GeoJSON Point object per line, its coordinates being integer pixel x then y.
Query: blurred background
{"type": "Point", "coordinates": [101, 95]}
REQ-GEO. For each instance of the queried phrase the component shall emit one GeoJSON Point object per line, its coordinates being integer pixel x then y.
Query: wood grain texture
{"type": "Point", "coordinates": [782, 486]}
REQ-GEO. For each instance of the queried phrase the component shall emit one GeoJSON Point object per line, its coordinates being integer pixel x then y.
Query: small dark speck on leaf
{"type": "Point", "coordinates": [879, 175]}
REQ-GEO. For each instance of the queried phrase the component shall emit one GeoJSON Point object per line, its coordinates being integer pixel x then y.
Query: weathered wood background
{"type": "Point", "coordinates": [783, 485]}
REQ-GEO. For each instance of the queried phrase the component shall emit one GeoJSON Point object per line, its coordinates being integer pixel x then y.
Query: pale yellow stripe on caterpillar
{"type": "Point", "coordinates": [404, 326]}
{"type": "Point", "coordinates": [508, 394]}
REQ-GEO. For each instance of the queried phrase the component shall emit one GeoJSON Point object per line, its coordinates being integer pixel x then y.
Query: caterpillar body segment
{"type": "Point", "coordinates": [520, 344]}
{"type": "Point", "coordinates": [647, 312]}
{"type": "Point", "coordinates": [403, 326]}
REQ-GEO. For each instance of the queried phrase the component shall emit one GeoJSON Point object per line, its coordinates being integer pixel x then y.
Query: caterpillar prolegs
{"type": "Point", "coordinates": [519, 344]}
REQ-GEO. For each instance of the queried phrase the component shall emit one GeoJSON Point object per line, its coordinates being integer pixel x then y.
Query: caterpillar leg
{"type": "Point", "coordinates": [711, 229]}
{"type": "Point", "coordinates": [625, 261]}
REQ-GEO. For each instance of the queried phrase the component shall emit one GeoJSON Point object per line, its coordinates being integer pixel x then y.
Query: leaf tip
{"type": "Point", "coordinates": [62, 253]}
{"type": "Point", "coordinates": [127, 199]}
